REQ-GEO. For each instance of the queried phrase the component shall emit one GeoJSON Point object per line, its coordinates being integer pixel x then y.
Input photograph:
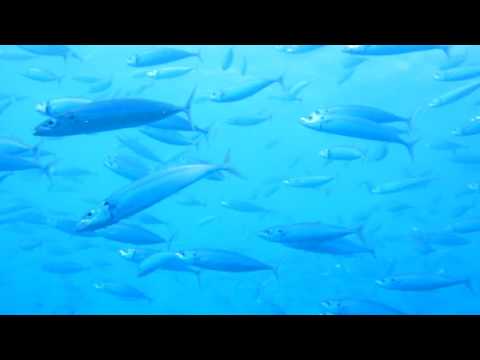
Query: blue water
{"type": "Point", "coordinates": [265, 154]}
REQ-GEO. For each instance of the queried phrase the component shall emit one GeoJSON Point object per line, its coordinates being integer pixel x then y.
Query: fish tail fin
{"type": "Point", "coordinates": [360, 231]}
{"type": "Point", "coordinates": [76, 56]}
{"type": "Point", "coordinates": [414, 117]}
{"type": "Point", "coordinates": [171, 239]}
{"type": "Point", "coordinates": [228, 167]}
{"type": "Point", "coordinates": [199, 55]}
{"type": "Point", "coordinates": [36, 150]}
{"type": "Point", "coordinates": [207, 131]}
{"type": "Point", "coordinates": [60, 79]}
{"type": "Point", "coordinates": [422, 245]}
{"type": "Point", "coordinates": [410, 145]}
{"type": "Point", "coordinates": [276, 273]}
{"type": "Point", "coordinates": [281, 81]}
{"type": "Point", "coordinates": [447, 49]}
{"type": "Point", "coordinates": [373, 252]}
{"type": "Point", "coordinates": [368, 185]}
{"type": "Point", "coordinates": [469, 285]}
{"type": "Point", "coordinates": [48, 170]}
{"type": "Point", "coordinates": [188, 106]}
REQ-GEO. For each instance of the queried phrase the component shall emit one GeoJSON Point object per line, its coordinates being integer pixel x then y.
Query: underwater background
{"type": "Point", "coordinates": [427, 230]}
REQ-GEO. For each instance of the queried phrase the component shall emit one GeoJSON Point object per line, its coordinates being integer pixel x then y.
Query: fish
{"type": "Point", "coordinates": [107, 115]}
{"type": "Point", "coordinates": [14, 147]}
{"type": "Point", "coordinates": [312, 232]}
{"type": "Point", "coordinates": [127, 167]}
{"type": "Point", "coordinates": [244, 66]}
{"type": "Point", "coordinates": [427, 239]}
{"type": "Point", "coordinates": [341, 153]}
{"type": "Point", "coordinates": [250, 120]}
{"type": "Point", "coordinates": [376, 115]}
{"type": "Point", "coordinates": [298, 49]}
{"type": "Point", "coordinates": [346, 125]}
{"type": "Point", "coordinates": [101, 86]}
{"type": "Point", "coordinates": [469, 129]}
{"type": "Point", "coordinates": [244, 91]}
{"type": "Point", "coordinates": [148, 219]}
{"type": "Point", "coordinates": [351, 62]}
{"type": "Point", "coordinates": [160, 56]}
{"type": "Point", "coordinates": [458, 74]}
{"type": "Point", "coordinates": [51, 50]}
{"type": "Point", "coordinates": [379, 153]}
{"type": "Point", "coordinates": [465, 226]}
{"type": "Point", "coordinates": [87, 79]}
{"type": "Point", "coordinates": [72, 172]}
{"type": "Point", "coordinates": [42, 75]}
{"type": "Point", "coordinates": [136, 255]}
{"type": "Point", "coordinates": [422, 282]}
{"type": "Point", "coordinates": [139, 148]}
{"type": "Point", "coordinates": [399, 185]}
{"type": "Point", "coordinates": [5, 176]}
{"type": "Point", "coordinates": [308, 182]}
{"type": "Point", "coordinates": [206, 220]}
{"type": "Point", "coordinates": [398, 207]}
{"type": "Point", "coordinates": [122, 291]}
{"type": "Point", "coordinates": [130, 234]}
{"type": "Point", "coordinates": [170, 137]}
{"type": "Point", "coordinates": [169, 261]}
{"type": "Point", "coordinates": [228, 59]}
{"type": "Point", "coordinates": [455, 59]}
{"type": "Point", "coordinates": [351, 306]}
{"type": "Point", "coordinates": [146, 192]}
{"type": "Point", "coordinates": [30, 244]}
{"type": "Point", "coordinates": [465, 157]}
{"type": "Point", "coordinates": [14, 56]}
{"type": "Point", "coordinates": [59, 106]}
{"type": "Point", "coordinates": [223, 261]}
{"type": "Point", "coordinates": [17, 163]}
{"type": "Point", "coordinates": [191, 201]}
{"type": "Point", "coordinates": [169, 72]}
{"type": "Point", "coordinates": [64, 267]}
{"type": "Point", "coordinates": [461, 210]}
{"type": "Point", "coordinates": [244, 206]}
{"type": "Point", "coordinates": [382, 50]}
{"type": "Point", "coordinates": [5, 105]}
{"type": "Point", "coordinates": [454, 95]}
{"type": "Point", "coordinates": [446, 145]}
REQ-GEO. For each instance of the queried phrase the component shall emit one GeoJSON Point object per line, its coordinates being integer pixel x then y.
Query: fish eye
{"type": "Point", "coordinates": [90, 214]}
{"type": "Point", "coordinates": [106, 203]}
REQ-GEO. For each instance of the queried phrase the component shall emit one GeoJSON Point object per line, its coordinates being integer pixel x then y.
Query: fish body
{"type": "Point", "coordinates": [358, 307]}
{"type": "Point", "coordinates": [458, 73]}
{"type": "Point", "coordinates": [130, 234]}
{"type": "Point", "coordinates": [400, 185]}
{"type": "Point", "coordinates": [469, 129]}
{"type": "Point", "coordinates": [169, 72]}
{"type": "Point", "coordinates": [160, 56]}
{"type": "Point", "coordinates": [56, 107]}
{"type": "Point", "coordinates": [170, 137]}
{"type": "Point", "coordinates": [228, 59]}
{"type": "Point", "coordinates": [140, 149]}
{"type": "Point", "coordinates": [308, 182]}
{"type": "Point", "coordinates": [454, 95]}
{"type": "Point", "coordinates": [421, 282]}
{"type": "Point", "coordinates": [121, 290]}
{"type": "Point", "coordinates": [383, 50]}
{"type": "Point", "coordinates": [51, 50]}
{"type": "Point", "coordinates": [63, 267]}
{"type": "Point", "coordinates": [342, 153]}
{"type": "Point", "coordinates": [127, 167]}
{"type": "Point", "coordinates": [167, 261]}
{"type": "Point", "coordinates": [243, 91]}
{"type": "Point", "coordinates": [42, 75]}
{"type": "Point", "coordinates": [244, 206]}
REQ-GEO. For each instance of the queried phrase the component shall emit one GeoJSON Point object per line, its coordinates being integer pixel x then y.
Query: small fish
{"type": "Point", "coordinates": [298, 49]}
{"type": "Point", "coordinates": [437, 238]}
{"type": "Point", "coordinates": [461, 210]}
{"type": "Point", "coordinates": [244, 66]}
{"type": "Point", "coordinates": [383, 50]}
{"type": "Point", "coordinates": [399, 185]}
{"type": "Point", "coordinates": [228, 59]}
{"type": "Point", "coordinates": [160, 56]}
{"type": "Point", "coordinates": [339, 247]}
{"type": "Point", "coordinates": [251, 120]}
{"type": "Point", "coordinates": [341, 153]}
{"type": "Point", "coordinates": [169, 72]}
{"type": "Point", "coordinates": [101, 86]}
{"type": "Point", "coordinates": [14, 56]}
{"type": "Point", "coordinates": [122, 291]}
{"type": "Point", "coordinates": [136, 255]}
{"type": "Point", "coordinates": [244, 206]}
{"type": "Point", "coordinates": [445, 145]}
{"type": "Point", "coordinates": [454, 95]}
{"type": "Point", "coordinates": [127, 167]}
{"type": "Point", "coordinates": [17, 163]}
{"type": "Point", "coordinates": [358, 307]}
{"type": "Point", "coordinates": [51, 50]}
{"type": "Point", "coordinates": [57, 107]}
{"type": "Point", "coordinates": [459, 73]}
{"type": "Point", "coordinates": [346, 125]}
{"type": "Point", "coordinates": [30, 244]}
{"type": "Point", "coordinates": [308, 182]}
{"type": "Point", "coordinates": [192, 202]}
{"type": "Point", "coordinates": [139, 148]}
{"type": "Point", "coordinates": [422, 282]}
{"type": "Point", "coordinates": [64, 267]}
{"type": "Point", "coordinates": [379, 153]}
{"type": "Point", "coordinates": [207, 220]}
{"type": "Point", "coordinates": [87, 79]}
{"type": "Point", "coordinates": [42, 75]}
{"type": "Point", "coordinates": [5, 105]}
{"type": "Point", "coordinates": [376, 115]}
{"type": "Point", "coordinates": [170, 137]}
{"type": "Point", "coordinates": [246, 90]}
{"type": "Point", "coordinates": [465, 157]}
{"type": "Point", "coordinates": [179, 123]}
{"type": "Point", "coordinates": [465, 226]}
{"type": "Point", "coordinates": [13, 147]}
{"type": "Point", "coordinates": [223, 261]}
{"type": "Point", "coordinates": [148, 219]}
{"type": "Point", "coordinates": [313, 232]}
{"type": "Point", "coordinates": [469, 129]}
{"type": "Point", "coordinates": [74, 173]}
{"type": "Point", "coordinates": [130, 234]}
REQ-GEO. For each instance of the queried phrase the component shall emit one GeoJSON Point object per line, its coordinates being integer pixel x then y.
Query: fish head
{"type": "Point", "coordinates": [127, 253]}
{"type": "Point", "coordinates": [42, 108]}
{"type": "Point", "coordinates": [111, 163]}
{"type": "Point", "coordinates": [217, 95]}
{"type": "Point", "coordinates": [273, 234]}
{"type": "Point", "coordinates": [95, 219]}
{"type": "Point", "coordinates": [55, 127]}
{"type": "Point", "coordinates": [315, 120]}
{"type": "Point", "coordinates": [99, 286]}
{"type": "Point", "coordinates": [324, 153]}
{"type": "Point", "coordinates": [132, 60]}
{"type": "Point", "coordinates": [457, 132]}
{"type": "Point", "coordinates": [331, 306]}
{"type": "Point", "coordinates": [439, 75]}
{"type": "Point", "coordinates": [386, 282]}
{"type": "Point", "coordinates": [354, 49]}
{"type": "Point", "coordinates": [186, 255]}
